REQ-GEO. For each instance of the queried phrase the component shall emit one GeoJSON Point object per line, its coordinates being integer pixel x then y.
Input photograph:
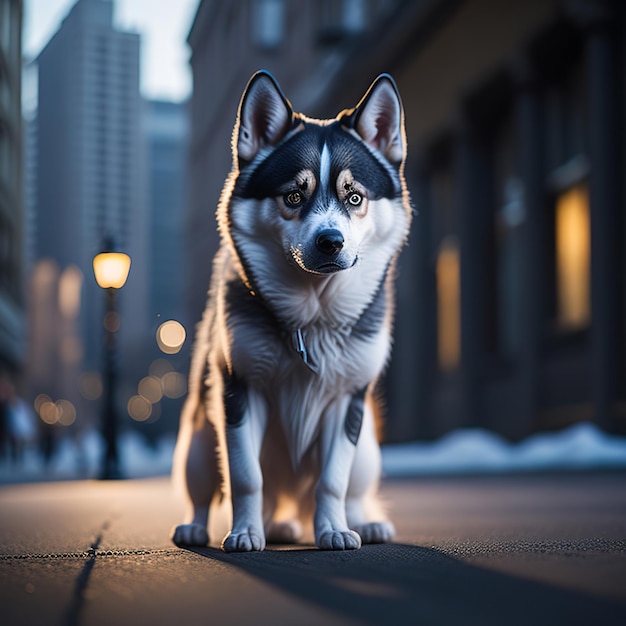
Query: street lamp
{"type": "Point", "coordinates": [111, 270]}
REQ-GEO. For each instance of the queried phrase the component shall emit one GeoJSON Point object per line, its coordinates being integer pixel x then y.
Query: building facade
{"type": "Point", "coordinates": [91, 176]}
{"type": "Point", "coordinates": [512, 289]}
{"type": "Point", "coordinates": [166, 135]}
{"type": "Point", "coordinates": [12, 308]}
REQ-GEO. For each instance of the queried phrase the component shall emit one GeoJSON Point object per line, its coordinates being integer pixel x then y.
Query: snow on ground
{"type": "Point", "coordinates": [583, 446]}
{"type": "Point", "coordinates": [81, 458]}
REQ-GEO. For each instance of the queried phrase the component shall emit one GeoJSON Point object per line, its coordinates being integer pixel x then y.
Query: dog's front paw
{"type": "Point", "coordinates": [376, 532]}
{"type": "Point", "coordinates": [190, 535]}
{"type": "Point", "coordinates": [338, 540]}
{"type": "Point", "coordinates": [248, 540]}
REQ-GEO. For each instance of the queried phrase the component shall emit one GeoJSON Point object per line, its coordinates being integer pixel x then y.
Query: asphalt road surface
{"type": "Point", "coordinates": [498, 551]}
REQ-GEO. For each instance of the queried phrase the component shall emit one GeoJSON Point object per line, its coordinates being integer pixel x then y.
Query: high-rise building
{"type": "Point", "coordinates": [29, 143]}
{"type": "Point", "coordinates": [165, 127]}
{"type": "Point", "coordinates": [165, 130]}
{"type": "Point", "coordinates": [12, 327]}
{"type": "Point", "coordinates": [91, 170]}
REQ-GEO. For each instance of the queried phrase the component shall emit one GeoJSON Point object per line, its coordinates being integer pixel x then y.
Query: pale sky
{"type": "Point", "coordinates": [163, 25]}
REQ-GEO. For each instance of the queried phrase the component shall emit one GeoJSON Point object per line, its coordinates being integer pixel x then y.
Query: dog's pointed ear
{"type": "Point", "coordinates": [264, 118]}
{"type": "Point", "coordinates": [379, 119]}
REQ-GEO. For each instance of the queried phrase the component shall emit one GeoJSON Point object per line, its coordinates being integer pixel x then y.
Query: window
{"type": "Point", "coordinates": [505, 256]}
{"type": "Point", "coordinates": [565, 116]}
{"type": "Point", "coordinates": [268, 23]}
{"type": "Point", "coordinates": [6, 160]}
{"type": "Point", "coordinates": [5, 90]}
{"type": "Point", "coordinates": [446, 257]}
{"type": "Point", "coordinates": [572, 250]}
{"type": "Point", "coordinates": [5, 27]}
{"type": "Point", "coordinates": [354, 16]}
{"type": "Point", "coordinates": [339, 19]}
{"type": "Point", "coordinates": [448, 305]}
{"type": "Point", "coordinates": [567, 215]}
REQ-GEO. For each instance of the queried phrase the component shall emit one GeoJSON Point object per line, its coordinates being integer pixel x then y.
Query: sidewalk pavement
{"type": "Point", "coordinates": [525, 549]}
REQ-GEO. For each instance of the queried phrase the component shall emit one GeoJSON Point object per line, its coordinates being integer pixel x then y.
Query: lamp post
{"type": "Point", "coordinates": [111, 271]}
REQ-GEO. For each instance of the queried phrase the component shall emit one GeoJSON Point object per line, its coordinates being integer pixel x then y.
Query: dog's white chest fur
{"type": "Point", "coordinates": [298, 393]}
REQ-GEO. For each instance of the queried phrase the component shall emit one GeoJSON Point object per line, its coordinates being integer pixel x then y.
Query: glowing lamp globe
{"type": "Point", "coordinates": [111, 269]}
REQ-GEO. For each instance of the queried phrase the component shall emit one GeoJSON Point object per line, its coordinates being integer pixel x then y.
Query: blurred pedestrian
{"type": "Point", "coordinates": [5, 391]}
{"type": "Point", "coordinates": [47, 442]}
{"type": "Point", "coordinates": [21, 428]}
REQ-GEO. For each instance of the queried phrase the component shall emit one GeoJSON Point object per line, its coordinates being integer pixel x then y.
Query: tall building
{"type": "Point", "coordinates": [91, 173]}
{"type": "Point", "coordinates": [12, 325]}
{"type": "Point", "coordinates": [165, 127]}
{"type": "Point", "coordinates": [29, 132]}
{"type": "Point", "coordinates": [166, 130]}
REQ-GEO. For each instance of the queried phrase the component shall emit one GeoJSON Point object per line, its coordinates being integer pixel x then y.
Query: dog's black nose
{"type": "Point", "coordinates": [330, 242]}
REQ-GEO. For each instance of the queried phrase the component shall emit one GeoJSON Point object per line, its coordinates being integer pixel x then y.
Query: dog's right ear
{"type": "Point", "coordinates": [264, 118]}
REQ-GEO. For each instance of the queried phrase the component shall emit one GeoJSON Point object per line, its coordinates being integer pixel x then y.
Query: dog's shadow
{"type": "Point", "coordinates": [407, 584]}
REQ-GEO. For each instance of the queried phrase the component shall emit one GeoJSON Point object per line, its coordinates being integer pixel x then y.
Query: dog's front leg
{"type": "Point", "coordinates": [246, 417]}
{"type": "Point", "coordinates": [339, 436]}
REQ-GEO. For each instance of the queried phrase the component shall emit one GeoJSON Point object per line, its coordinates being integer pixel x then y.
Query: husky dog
{"type": "Point", "coordinates": [280, 412]}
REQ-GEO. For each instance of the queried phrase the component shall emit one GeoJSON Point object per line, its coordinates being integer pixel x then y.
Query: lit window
{"type": "Point", "coordinates": [268, 21]}
{"type": "Point", "coordinates": [448, 305]}
{"type": "Point", "coordinates": [573, 309]}
{"type": "Point", "coordinates": [70, 285]}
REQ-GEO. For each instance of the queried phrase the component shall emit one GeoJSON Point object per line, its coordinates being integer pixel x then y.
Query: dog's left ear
{"type": "Point", "coordinates": [265, 116]}
{"type": "Point", "coordinates": [379, 119]}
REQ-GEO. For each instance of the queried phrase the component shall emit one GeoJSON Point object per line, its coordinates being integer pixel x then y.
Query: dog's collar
{"type": "Point", "coordinates": [300, 347]}
{"type": "Point", "coordinates": [297, 336]}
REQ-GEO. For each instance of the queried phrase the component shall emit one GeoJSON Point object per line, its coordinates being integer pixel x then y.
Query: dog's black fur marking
{"type": "Point", "coordinates": [244, 304]}
{"type": "Point", "coordinates": [235, 398]}
{"type": "Point", "coordinates": [374, 315]}
{"type": "Point", "coordinates": [354, 416]}
{"type": "Point", "coordinates": [303, 151]}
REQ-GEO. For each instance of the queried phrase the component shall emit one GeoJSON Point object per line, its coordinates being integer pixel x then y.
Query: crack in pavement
{"type": "Point", "coordinates": [83, 555]}
{"type": "Point", "coordinates": [78, 598]}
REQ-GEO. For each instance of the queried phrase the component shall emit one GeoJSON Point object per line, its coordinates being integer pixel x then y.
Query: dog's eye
{"type": "Point", "coordinates": [355, 199]}
{"type": "Point", "coordinates": [293, 199]}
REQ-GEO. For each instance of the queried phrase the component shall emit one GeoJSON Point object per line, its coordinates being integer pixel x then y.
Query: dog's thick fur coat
{"type": "Point", "coordinates": [297, 329]}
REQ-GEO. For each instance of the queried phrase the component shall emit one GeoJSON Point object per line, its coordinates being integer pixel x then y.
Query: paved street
{"type": "Point", "coordinates": [474, 550]}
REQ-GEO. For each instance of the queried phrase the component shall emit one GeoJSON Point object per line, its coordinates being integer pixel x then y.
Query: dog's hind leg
{"type": "Point", "coordinates": [285, 529]}
{"type": "Point", "coordinates": [288, 531]}
{"type": "Point", "coordinates": [282, 491]}
{"type": "Point", "coordinates": [202, 480]}
{"type": "Point", "coordinates": [364, 510]}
